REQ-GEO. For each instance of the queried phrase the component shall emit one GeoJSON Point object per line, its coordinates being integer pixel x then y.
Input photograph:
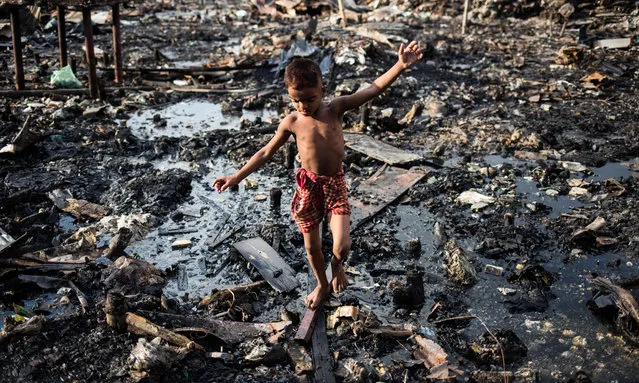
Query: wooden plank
{"type": "Point", "coordinates": [321, 353]}
{"type": "Point", "coordinates": [269, 263]}
{"type": "Point", "coordinates": [381, 190]}
{"type": "Point", "coordinates": [305, 331]}
{"type": "Point", "coordinates": [319, 341]}
{"type": "Point", "coordinates": [379, 150]}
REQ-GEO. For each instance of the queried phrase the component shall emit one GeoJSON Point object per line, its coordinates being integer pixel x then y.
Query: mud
{"type": "Point", "coordinates": [498, 115]}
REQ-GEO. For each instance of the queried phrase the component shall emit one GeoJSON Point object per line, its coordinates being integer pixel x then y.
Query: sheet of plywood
{"type": "Point", "coordinates": [377, 192]}
{"type": "Point", "coordinates": [379, 150]}
{"type": "Point", "coordinates": [269, 263]}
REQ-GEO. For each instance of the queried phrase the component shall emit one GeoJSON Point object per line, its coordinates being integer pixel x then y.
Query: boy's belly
{"type": "Point", "coordinates": [324, 163]}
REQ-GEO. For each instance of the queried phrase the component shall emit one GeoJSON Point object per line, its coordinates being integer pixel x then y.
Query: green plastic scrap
{"type": "Point", "coordinates": [22, 311]}
{"type": "Point", "coordinates": [64, 78]}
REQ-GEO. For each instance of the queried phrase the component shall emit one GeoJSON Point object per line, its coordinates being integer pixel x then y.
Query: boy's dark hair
{"type": "Point", "coordinates": [302, 74]}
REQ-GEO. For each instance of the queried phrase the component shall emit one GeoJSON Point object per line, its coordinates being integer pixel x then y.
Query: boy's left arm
{"type": "Point", "coordinates": [406, 57]}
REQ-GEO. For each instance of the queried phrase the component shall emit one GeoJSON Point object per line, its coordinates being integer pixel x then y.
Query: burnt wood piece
{"type": "Point", "coordinates": [269, 263]}
{"type": "Point", "coordinates": [16, 33]}
{"type": "Point", "coordinates": [117, 43]}
{"type": "Point", "coordinates": [62, 36]}
{"type": "Point", "coordinates": [229, 332]}
{"type": "Point", "coordinates": [88, 44]}
{"type": "Point", "coordinates": [213, 244]}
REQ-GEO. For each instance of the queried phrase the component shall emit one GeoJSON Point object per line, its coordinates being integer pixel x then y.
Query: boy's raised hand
{"type": "Point", "coordinates": [223, 183]}
{"type": "Point", "coordinates": [409, 55]}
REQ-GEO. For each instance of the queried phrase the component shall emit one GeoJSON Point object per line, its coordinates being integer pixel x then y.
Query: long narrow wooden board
{"type": "Point", "coordinates": [321, 353]}
{"type": "Point", "coordinates": [269, 263]}
{"type": "Point", "coordinates": [381, 190]}
{"type": "Point", "coordinates": [308, 331]}
{"type": "Point", "coordinates": [307, 324]}
{"type": "Point", "coordinates": [379, 150]}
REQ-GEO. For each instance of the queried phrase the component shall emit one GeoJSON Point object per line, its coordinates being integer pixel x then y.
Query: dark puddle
{"type": "Point", "coordinates": [559, 204]}
{"type": "Point", "coordinates": [566, 336]}
{"type": "Point", "coordinates": [46, 303]}
{"type": "Point", "coordinates": [204, 210]}
{"type": "Point", "coordinates": [189, 118]}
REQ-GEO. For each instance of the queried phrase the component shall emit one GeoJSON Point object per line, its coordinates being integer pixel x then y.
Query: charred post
{"type": "Point", "coordinates": [117, 43]}
{"type": "Point", "coordinates": [16, 33]}
{"type": "Point", "coordinates": [88, 43]}
{"type": "Point", "coordinates": [62, 36]}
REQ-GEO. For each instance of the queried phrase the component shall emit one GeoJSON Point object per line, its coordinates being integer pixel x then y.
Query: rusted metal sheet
{"type": "Point", "coordinates": [377, 192]}
{"type": "Point", "coordinates": [379, 150]}
{"type": "Point", "coordinates": [269, 263]}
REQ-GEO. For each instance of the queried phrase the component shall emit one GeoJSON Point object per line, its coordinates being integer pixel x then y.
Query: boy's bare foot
{"type": "Point", "coordinates": [340, 281]}
{"type": "Point", "coordinates": [314, 299]}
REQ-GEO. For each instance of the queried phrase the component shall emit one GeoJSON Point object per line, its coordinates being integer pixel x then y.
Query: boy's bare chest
{"type": "Point", "coordinates": [318, 130]}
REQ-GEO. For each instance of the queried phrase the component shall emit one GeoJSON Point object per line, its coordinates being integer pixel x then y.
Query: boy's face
{"type": "Point", "coordinates": [306, 100]}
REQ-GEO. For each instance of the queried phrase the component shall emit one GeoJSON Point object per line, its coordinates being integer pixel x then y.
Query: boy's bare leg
{"type": "Point", "coordinates": [313, 244]}
{"type": "Point", "coordinates": [341, 229]}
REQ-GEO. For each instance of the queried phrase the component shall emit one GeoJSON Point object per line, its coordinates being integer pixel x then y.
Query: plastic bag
{"type": "Point", "coordinates": [64, 78]}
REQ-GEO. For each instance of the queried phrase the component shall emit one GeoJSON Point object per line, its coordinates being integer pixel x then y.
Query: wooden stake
{"type": "Point", "coordinates": [117, 43]}
{"type": "Point", "coordinates": [88, 44]}
{"type": "Point", "coordinates": [343, 13]}
{"type": "Point", "coordinates": [62, 36]}
{"type": "Point", "coordinates": [16, 35]}
{"type": "Point", "coordinates": [465, 18]}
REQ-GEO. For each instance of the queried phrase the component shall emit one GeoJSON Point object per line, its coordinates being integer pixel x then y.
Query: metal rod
{"type": "Point", "coordinates": [62, 36]}
{"type": "Point", "coordinates": [16, 34]}
{"type": "Point", "coordinates": [88, 44]}
{"type": "Point", "coordinates": [117, 43]}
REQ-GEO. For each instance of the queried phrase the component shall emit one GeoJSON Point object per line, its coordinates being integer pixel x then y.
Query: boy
{"type": "Point", "coordinates": [317, 128]}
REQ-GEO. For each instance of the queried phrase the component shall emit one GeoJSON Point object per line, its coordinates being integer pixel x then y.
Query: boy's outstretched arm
{"type": "Point", "coordinates": [406, 57]}
{"type": "Point", "coordinates": [281, 136]}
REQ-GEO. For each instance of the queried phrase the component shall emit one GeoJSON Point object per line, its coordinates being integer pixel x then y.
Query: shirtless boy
{"type": "Point", "coordinates": [321, 186]}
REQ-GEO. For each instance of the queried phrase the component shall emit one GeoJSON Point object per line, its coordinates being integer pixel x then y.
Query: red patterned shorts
{"type": "Point", "coordinates": [317, 195]}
